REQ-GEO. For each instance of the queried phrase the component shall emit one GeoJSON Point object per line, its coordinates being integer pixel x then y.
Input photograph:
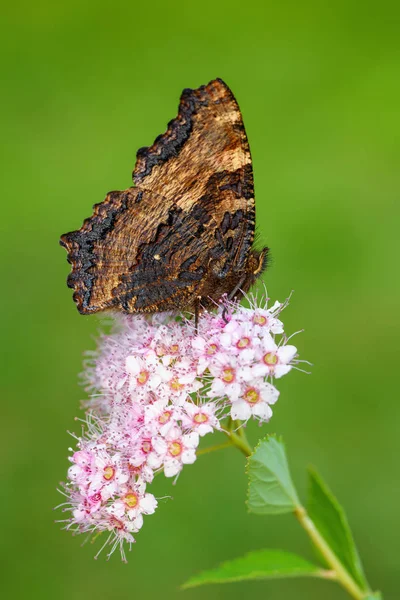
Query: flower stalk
{"type": "Point", "coordinates": [341, 575]}
{"type": "Point", "coordinates": [214, 448]}
{"type": "Point", "coordinates": [238, 437]}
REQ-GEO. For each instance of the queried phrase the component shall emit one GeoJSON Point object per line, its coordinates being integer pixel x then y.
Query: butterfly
{"type": "Point", "coordinates": [182, 236]}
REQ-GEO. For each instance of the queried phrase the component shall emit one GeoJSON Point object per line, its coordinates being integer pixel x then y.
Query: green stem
{"type": "Point", "coordinates": [342, 576]}
{"type": "Point", "coordinates": [239, 439]}
{"type": "Point", "coordinates": [214, 448]}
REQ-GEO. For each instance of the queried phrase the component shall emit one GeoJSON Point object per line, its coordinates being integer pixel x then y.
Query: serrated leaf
{"type": "Point", "coordinates": [262, 564]}
{"type": "Point", "coordinates": [271, 490]}
{"type": "Point", "coordinates": [331, 521]}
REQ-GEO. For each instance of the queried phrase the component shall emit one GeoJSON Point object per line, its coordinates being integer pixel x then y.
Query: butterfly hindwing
{"type": "Point", "coordinates": [107, 247]}
{"type": "Point", "coordinates": [128, 255]}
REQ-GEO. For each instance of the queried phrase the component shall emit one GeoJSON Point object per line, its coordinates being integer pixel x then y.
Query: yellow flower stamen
{"type": "Point", "coordinates": [200, 418]}
{"type": "Point", "coordinates": [175, 448]}
{"type": "Point", "coordinates": [270, 359]}
{"type": "Point", "coordinates": [251, 396]}
{"type": "Point", "coordinates": [108, 473]}
{"type": "Point", "coordinates": [228, 375]}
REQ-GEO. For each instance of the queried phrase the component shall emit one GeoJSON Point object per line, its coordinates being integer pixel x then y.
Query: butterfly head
{"type": "Point", "coordinates": [255, 266]}
{"type": "Point", "coordinates": [258, 262]}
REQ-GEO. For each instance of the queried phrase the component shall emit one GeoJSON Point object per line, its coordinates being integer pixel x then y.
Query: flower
{"type": "Point", "coordinates": [200, 417]}
{"type": "Point", "coordinates": [176, 449]}
{"type": "Point", "coordinates": [145, 374]}
{"type": "Point", "coordinates": [159, 417]}
{"type": "Point", "coordinates": [157, 386]}
{"type": "Point", "coordinates": [226, 380]}
{"type": "Point", "coordinates": [274, 360]}
{"type": "Point", "coordinates": [132, 504]}
{"type": "Point", "coordinates": [255, 401]}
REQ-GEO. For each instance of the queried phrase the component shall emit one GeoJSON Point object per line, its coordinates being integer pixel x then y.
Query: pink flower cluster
{"type": "Point", "coordinates": [157, 385]}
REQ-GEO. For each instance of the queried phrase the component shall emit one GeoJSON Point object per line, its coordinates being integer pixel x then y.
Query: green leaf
{"type": "Point", "coordinates": [373, 596]}
{"type": "Point", "coordinates": [271, 490]}
{"type": "Point", "coordinates": [331, 521]}
{"type": "Point", "coordinates": [263, 564]}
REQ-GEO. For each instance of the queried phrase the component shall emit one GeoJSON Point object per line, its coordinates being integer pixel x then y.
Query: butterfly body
{"type": "Point", "coordinates": [183, 234]}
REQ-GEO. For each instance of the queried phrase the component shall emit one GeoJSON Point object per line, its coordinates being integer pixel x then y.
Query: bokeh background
{"type": "Point", "coordinates": [84, 86]}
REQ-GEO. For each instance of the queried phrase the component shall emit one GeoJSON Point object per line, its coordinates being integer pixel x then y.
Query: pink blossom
{"type": "Point", "coordinates": [176, 449]}
{"type": "Point", "coordinates": [200, 417]}
{"type": "Point", "coordinates": [274, 360]}
{"type": "Point", "coordinates": [157, 386]}
{"type": "Point", "coordinates": [132, 504]}
{"type": "Point", "coordinates": [159, 418]}
{"type": "Point", "coordinates": [255, 401]}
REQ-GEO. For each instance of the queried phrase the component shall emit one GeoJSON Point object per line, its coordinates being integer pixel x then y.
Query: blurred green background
{"type": "Point", "coordinates": [84, 86]}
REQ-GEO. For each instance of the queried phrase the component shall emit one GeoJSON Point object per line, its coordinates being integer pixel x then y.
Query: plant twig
{"type": "Point", "coordinates": [239, 439]}
{"type": "Point", "coordinates": [214, 448]}
{"type": "Point", "coordinates": [342, 576]}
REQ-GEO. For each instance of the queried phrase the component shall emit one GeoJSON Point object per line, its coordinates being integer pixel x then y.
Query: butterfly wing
{"type": "Point", "coordinates": [203, 160]}
{"type": "Point", "coordinates": [126, 256]}
{"type": "Point", "coordinates": [190, 219]}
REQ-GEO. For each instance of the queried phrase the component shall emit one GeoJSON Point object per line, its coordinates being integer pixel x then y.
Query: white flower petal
{"type": "Point", "coordinates": [269, 393]}
{"type": "Point", "coordinates": [281, 370]}
{"type": "Point", "coordinates": [132, 365]}
{"type": "Point", "coordinates": [231, 326]}
{"type": "Point", "coordinates": [190, 408]}
{"type": "Point", "coordinates": [187, 378]}
{"type": "Point", "coordinates": [234, 391]}
{"type": "Point", "coordinates": [225, 340]}
{"type": "Point", "coordinates": [199, 343]}
{"type": "Point", "coordinates": [79, 515]}
{"type": "Point", "coordinates": [286, 353]}
{"type": "Point", "coordinates": [154, 460]}
{"type": "Point", "coordinates": [202, 365]}
{"type": "Point", "coordinates": [274, 307]}
{"type": "Point", "coordinates": [121, 383]}
{"type": "Point", "coordinates": [276, 326]}
{"type": "Point", "coordinates": [262, 410]}
{"type": "Point", "coordinates": [240, 410]}
{"type": "Point", "coordinates": [217, 388]}
{"type": "Point", "coordinates": [75, 472]}
{"type": "Point", "coordinates": [188, 456]}
{"type": "Point", "coordinates": [122, 478]}
{"type": "Point", "coordinates": [204, 428]}
{"type": "Point", "coordinates": [159, 445]}
{"type": "Point", "coordinates": [191, 440]}
{"type": "Point", "coordinates": [154, 381]}
{"type": "Point", "coordinates": [137, 522]}
{"type": "Point", "coordinates": [164, 373]}
{"type": "Point", "coordinates": [245, 373]}
{"type": "Point", "coordinates": [260, 370]}
{"type": "Point", "coordinates": [148, 504]}
{"type": "Point", "coordinates": [246, 355]}
{"type": "Point", "coordinates": [148, 474]}
{"type": "Point", "coordinates": [172, 467]}
{"type": "Point", "coordinates": [268, 342]}
{"type": "Point", "coordinates": [117, 509]}
{"type": "Point", "coordinates": [174, 433]}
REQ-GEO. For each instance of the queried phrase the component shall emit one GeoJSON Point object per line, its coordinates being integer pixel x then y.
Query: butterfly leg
{"type": "Point", "coordinates": [197, 314]}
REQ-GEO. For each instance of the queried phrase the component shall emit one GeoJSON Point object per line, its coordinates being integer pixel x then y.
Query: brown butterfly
{"type": "Point", "coordinates": [182, 237]}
